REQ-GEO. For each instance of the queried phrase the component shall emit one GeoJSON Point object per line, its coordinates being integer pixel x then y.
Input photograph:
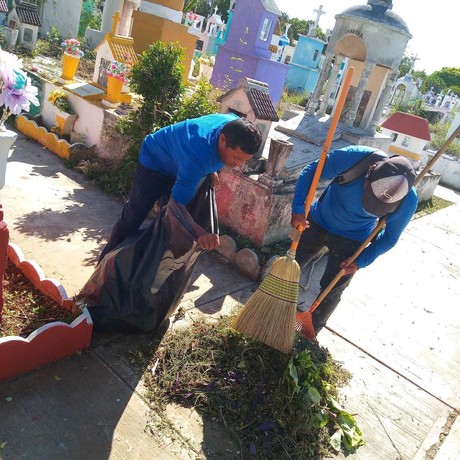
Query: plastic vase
{"type": "Point", "coordinates": [114, 87]}
{"type": "Point", "coordinates": [69, 66]}
{"type": "Point", "coordinates": [7, 139]}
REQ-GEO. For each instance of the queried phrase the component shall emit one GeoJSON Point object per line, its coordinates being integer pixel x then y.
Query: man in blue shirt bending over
{"type": "Point", "coordinates": [346, 214]}
{"type": "Point", "coordinates": [174, 159]}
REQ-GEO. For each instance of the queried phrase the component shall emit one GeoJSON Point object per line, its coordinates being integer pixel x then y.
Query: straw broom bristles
{"type": "Point", "coordinates": [270, 313]}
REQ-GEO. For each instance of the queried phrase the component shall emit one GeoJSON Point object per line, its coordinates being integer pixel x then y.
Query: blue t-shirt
{"type": "Point", "coordinates": [187, 151]}
{"type": "Point", "coordinates": [341, 212]}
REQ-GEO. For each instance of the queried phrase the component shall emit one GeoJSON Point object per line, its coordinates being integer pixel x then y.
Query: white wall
{"type": "Point", "coordinates": [90, 115]}
{"type": "Point", "coordinates": [62, 14]}
{"type": "Point", "coordinates": [449, 168]}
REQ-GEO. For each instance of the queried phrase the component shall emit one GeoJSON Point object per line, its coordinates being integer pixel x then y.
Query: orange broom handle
{"type": "Point", "coordinates": [380, 225]}
{"type": "Point", "coordinates": [326, 147]}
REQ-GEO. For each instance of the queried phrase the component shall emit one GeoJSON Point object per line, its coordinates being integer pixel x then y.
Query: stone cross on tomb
{"type": "Point", "coordinates": [319, 12]}
{"type": "Point", "coordinates": [116, 20]}
{"type": "Point", "coordinates": [412, 62]}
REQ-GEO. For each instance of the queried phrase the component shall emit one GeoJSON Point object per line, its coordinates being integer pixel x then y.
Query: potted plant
{"type": "Point", "coordinates": [65, 118]}
{"type": "Point", "coordinates": [117, 74]}
{"type": "Point", "coordinates": [70, 58]}
{"type": "Point", "coordinates": [16, 95]}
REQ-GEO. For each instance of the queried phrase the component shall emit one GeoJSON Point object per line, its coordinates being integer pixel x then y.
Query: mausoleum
{"type": "Point", "coordinates": [374, 39]}
{"type": "Point", "coordinates": [247, 52]}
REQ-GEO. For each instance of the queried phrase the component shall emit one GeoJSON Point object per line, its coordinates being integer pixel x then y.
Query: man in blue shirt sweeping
{"type": "Point", "coordinates": [174, 159]}
{"type": "Point", "coordinates": [346, 214]}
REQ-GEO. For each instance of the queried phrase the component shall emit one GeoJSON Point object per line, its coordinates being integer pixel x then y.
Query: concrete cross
{"type": "Point", "coordinates": [116, 20]}
{"type": "Point", "coordinates": [412, 62]}
{"type": "Point", "coordinates": [319, 12]}
{"type": "Point", "coordinates": [318, 15]}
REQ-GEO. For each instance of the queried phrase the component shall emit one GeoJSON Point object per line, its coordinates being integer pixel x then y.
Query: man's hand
{"type": "Point", "coordinates": [208, 241]}
{"type": "Point", "coordinates": [298, 222]}
{"type": "Point", "coordinates": [349, 268]}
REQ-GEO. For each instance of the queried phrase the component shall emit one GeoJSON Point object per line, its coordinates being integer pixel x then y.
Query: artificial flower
{"type": "Point", "coordinates": [16, 89]}
{"type": "Point", "coordinates": [118, 70]}
{"type": "Point", "coordinates": [72, 47]}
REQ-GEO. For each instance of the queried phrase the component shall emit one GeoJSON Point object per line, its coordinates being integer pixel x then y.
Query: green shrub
{"type": "Point", "coordinates": [201, 101]}
{"type": "Point", "coordinates": [91, 17]}
{"type": "Point", "coordinates": [158, 79]}
{"type": "Point", "coordinates": [439, 136]}
{"type": "Point", "coordinates": [295, 97]}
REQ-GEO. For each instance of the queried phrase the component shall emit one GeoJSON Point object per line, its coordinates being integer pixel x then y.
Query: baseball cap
{"type": "Point", "coordinates": [389, 182]}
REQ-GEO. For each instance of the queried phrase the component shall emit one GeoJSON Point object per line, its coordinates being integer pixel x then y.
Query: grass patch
{"type": "Point", "coordinates": [279, 406]}
{"type": "Point", "coordinates": [432, 205]}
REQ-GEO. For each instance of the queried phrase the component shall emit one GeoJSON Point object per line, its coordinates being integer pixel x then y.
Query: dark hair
{"type": "Point", "coordinates": [244, 134]}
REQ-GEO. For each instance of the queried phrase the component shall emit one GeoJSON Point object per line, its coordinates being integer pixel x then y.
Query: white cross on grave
{"type": "Point", "coordinates": [319, 12]}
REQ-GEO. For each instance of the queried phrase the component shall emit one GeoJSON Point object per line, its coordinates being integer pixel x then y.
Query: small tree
{"type": "Point", "coordinates": [202, 101]}
{"type": "Point", "coordinates": [439, 137]}
{"type": "Point", "coordinates": [158, 79]}
{"type": "Point", "coordinates": [434, 82]}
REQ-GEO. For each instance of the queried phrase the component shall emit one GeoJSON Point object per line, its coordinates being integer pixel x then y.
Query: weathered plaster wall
{"type": "Point", "coordinates": [62, 14]}
{"type": "Point", "coordinates": [253, 210]}
{"type": "Point", "coordinates": [384, 44]}
{"type": "Point", "coordinates": [94, 122]}
{"type": "Point", "coordinates": [90, 115]}
{"type": "Point", "coordinates": [449, 168]}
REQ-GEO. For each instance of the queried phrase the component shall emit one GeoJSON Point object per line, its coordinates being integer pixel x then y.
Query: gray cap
{"type": "Point", "coordinates": [389, 182]}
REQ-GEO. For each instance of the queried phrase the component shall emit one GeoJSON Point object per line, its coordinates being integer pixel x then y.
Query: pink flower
{"type": "Point", "coordinates": [17, 93]}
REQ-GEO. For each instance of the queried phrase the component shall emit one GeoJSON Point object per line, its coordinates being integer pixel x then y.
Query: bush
{"type": "Point", "coordinates": [201, 101]}
{"type": "Point", "coordinates": [295, 97]}
{"type": "Point", "coordinates": [290, 97]}
{"type": "Point", "coordinates": [439, 136]}
{"type": "Point", "coordinates": [158, 79]}
{"type": "Point", "coordinates": [91, 17]}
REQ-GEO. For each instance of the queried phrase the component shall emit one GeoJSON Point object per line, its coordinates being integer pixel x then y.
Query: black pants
{"type": "Point", "coordinates": [146, 188]}
{"type": "Point", "coordinates": [312, 241]}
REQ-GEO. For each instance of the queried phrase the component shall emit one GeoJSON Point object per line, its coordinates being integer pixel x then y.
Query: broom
{"type": "Point", "coordinates": [270, 313]}
{"type": "Point", "coordinates": [304, 320]}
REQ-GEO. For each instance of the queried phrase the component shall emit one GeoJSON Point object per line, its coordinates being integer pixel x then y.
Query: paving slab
{"type": "Point", "coordinates": [394, 416]}
{"type": "Point", "coordinates": [54, 215]}
{"type": "Point", "coordinates": [450, 448]}
{"type": "Point", "coordinates": [77, 408]}
{"type": "Point", "coordinates": [403, 309]}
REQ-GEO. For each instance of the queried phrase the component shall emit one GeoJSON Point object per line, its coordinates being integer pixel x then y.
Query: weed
{"type": "Point", "coordinates": [279, 405]}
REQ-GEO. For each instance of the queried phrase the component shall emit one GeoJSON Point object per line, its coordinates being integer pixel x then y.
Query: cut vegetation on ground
{"type": "Point", "coordinates": [280, 406]}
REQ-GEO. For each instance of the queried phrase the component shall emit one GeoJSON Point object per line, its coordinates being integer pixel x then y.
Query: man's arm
{"type": "Point", "coordinates": [183, 191]}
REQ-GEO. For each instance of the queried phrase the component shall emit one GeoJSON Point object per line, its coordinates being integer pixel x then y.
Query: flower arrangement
{"type": "Point", "coordinates": [59, 99]}
{"type": "Point", "coordinates": [191, 17]}
{"type": "Point", "coordinates": [206, 59]}
{"type": "Point", "coordinates": [72, 47]}
{"type": "Point", "coordinates": [16, 89]}
{"type": "Point", "coordinates": [118, 70]}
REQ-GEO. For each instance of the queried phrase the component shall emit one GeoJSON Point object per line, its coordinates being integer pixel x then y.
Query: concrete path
{"type": "Point", "coordinates": [397, 331]}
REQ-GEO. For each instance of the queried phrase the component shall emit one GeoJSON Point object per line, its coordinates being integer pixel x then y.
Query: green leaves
{"type": "Point", "coordinates": [305, 379]}
{"type": "Point", "coordinates": [350, 435]}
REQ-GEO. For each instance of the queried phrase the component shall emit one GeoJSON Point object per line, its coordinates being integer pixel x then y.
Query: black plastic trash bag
{"type": "Point", "coordinates": [140, 283]}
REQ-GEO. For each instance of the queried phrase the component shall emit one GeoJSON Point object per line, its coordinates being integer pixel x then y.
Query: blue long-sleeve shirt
{"type": "Point", "coordinates": [341, 212]}
{"type": "Point", "coordinates": [187, 151]}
